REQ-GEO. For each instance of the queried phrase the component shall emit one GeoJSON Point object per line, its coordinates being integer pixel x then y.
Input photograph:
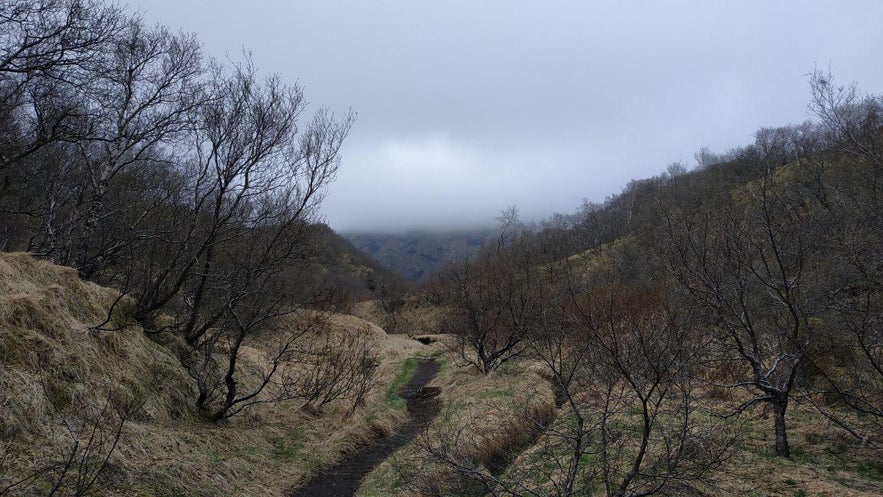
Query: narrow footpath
{"type": "Point", "coordinates": [343, 479]}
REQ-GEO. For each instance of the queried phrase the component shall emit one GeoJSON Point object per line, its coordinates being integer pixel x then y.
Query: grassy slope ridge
{"type": "Point", "coordinates": [483, 418]}
{"type": "Point", "coordinates": [825, 460]}
{"type": "Point", "coordinates": [345, 266]}
{"type": "Point", "coordinates": [58, 376]}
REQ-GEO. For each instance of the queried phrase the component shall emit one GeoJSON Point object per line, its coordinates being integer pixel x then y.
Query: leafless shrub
{"type": "Point", "coordinates": [336, 365]}
{"type": "Point", "coordinates": [227, 384]}
{"type": "Point", "coordinates": [491, 299]}
{"type": "Point", "coordinates": [94, 434]}
{"type": "Point", "coordinates": [623, 363]}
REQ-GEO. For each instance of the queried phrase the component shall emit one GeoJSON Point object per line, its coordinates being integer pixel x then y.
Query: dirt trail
{"type": "Point", "coordinates": [343, 479]}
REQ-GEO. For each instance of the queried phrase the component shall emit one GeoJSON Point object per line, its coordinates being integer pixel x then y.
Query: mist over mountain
{"type": "Point", "coordinates": [416, 255]}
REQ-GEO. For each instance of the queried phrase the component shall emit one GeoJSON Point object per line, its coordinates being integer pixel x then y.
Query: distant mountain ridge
{"type": "Point", "coordinates": [416, 255]}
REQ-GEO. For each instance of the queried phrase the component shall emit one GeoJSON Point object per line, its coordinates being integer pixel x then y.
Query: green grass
{"type": "Point", "coordinates": [872, 470]}
{"type": "Point", "coordinates": [799, 455]}
{"type": "Point", "coordinates": [391, 481]}
{"type": "Point", "coordinates": [499, 394]}
{"type": "Point", "coordinates": [813, 438]}
{"type": "Point", "coordinates": [392, 394]}
{"type": "Point", "coordinates": [287, 450]}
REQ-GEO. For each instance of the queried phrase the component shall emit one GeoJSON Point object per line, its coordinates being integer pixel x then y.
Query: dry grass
{"type": "Point", "coordinates": [50, 359]}
{"type": "Point", "coordinates": [414, 318]}
{"type": "Point", "coordinates": [54, 370]}
{"type": "Point", "coordinates": [483, 417]}
{"type": "Point", "coordinates": [824, 461]}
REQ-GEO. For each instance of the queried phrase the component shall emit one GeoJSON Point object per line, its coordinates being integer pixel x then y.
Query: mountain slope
{"type": "Point", "coordinates": [73, 396]}
{"type": "Point", "coordinates": [417, 255]}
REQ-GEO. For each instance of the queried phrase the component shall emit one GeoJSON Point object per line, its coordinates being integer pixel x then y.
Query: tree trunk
{"type": "Point", "coordinates": [780, 405]}
{"type": "Point", "coordinates": [88, 264]}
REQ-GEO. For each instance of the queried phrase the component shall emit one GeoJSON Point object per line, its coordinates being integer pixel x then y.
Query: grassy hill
{"type": "Point", "coordinates": [64, 382]}
{"type": "Point", "coordinates": [651, 299]}
{"type": "Point", "coordinates": [74, 396]}
{"type": "Point", "coordinates": [347, 268]}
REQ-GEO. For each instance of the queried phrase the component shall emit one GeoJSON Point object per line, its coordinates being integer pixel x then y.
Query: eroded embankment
{"type": "Point", "coordinates": [501, 460]}
{"type": "Point", "coordinates": [343, 479]}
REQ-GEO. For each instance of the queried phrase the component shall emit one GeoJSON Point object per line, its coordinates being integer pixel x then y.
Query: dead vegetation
{"type": "Point", "coordinates": [490, 440]}
{"type": "Point", "coordinates": [112, 413]}
{"type": "Point", "coordinates": [415, 316]}
{"type": "Point", "coordinates": [64, 382]}
{"type": "Point", "coordinates": [486, 436]}
{"type": "Point", "coordinates": [484, 420]}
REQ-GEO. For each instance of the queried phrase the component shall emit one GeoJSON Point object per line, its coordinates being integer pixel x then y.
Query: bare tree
{"type": "Point", "coordinates": [644, 360]}
{"type": "Point", "coordinates": [218, 369]}
{"type": "Point", "coordinates": [846, 186]}
{"type": "Point", "coordinates": [255, 181]}
{"type": "Point", "coordinates": [334, 366]}
{"type": "Point", "coordinates": [189, 186]}
{"type": "Point", "coordinates": [94, 99]}
{"type": "Point", "coordinates": [140, 97]}
{"type": "Point", "coordinates": [392, 297]}
{"type": "Point", "coordinates": [45, 47]}
{"type": "Point", "coordinates": [751, 265]}
{"type": "Point", "coordinates": [491, 301]}
{"type": "Point", "coordinates": [623, 361]}
{"type": "Point", "coordinates": [47, 51]}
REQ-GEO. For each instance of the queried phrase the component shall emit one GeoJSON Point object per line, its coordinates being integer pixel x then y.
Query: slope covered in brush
{"type": "Point", "coordinates": [111, 411]}
{"type": "Point", "coordinates": [64, 382]}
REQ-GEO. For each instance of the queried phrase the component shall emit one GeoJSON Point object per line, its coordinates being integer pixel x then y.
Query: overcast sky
{"type": "Point", "coordinates": [466, 107]}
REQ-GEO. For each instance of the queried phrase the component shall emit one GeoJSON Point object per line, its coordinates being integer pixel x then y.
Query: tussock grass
{"type": "Point", "coordinates": [50, 358]}
{"type": "Point", "coordinates": [56, 373]}
{"type": "Point", "coordinates": [494, 412]}
{"type": "Point", "coordinates": [414, 318]}
{"type": "Point", "coordinates": [483, 418]}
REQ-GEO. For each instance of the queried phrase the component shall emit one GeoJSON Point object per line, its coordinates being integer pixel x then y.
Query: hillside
{"type": "Point", "coordinates": [74, 396]}
{"type": "Point", "coordinates": [667, 322]}
{"type": "Point", "coordinates": [417, 255]}
{"type": "Point", "coordinates": [64, 382]}
{"type": "Point", "coordinates": [348, 268]}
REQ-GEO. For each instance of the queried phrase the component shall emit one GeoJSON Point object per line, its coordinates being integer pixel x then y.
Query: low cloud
{"type": "Point", "coordinates": [467, 107]}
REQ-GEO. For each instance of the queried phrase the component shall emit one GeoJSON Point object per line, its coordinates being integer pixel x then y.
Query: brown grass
{"type": "Point", "coordinates": [415, 317]}
{"type": "Point", "coordinates": [482, 414]}
{"type": "Point", "coordinates": [824, 461]}
{"type": "Point", "coordinates": [54, 370]}
{"type": "Point", "coordinates": [483, 417]}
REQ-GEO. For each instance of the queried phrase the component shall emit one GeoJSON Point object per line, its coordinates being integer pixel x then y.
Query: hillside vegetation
{"type": "Point", "coordinates": [65, 381]}
{"type": "Point", "coordinates": [111, 413]}
{"type": "Point", "coordinates": [174, 317]}
{"type": "Point", "coordinates": [705, 332]}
